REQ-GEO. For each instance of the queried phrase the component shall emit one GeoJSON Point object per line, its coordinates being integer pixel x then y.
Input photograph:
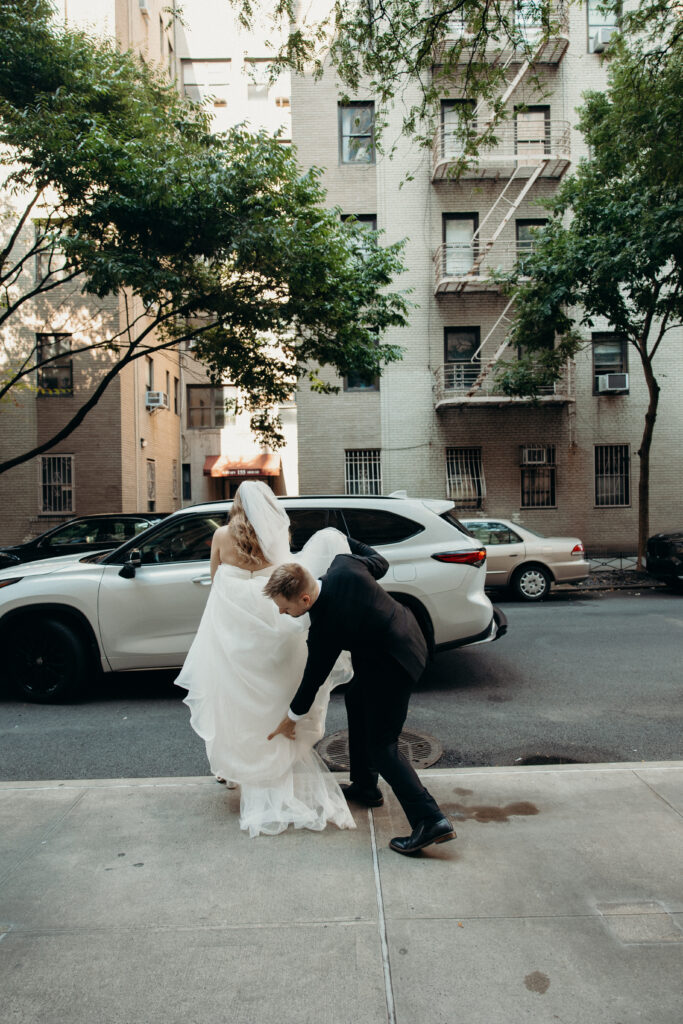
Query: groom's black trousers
{"type": "Point", "coordinates": [376, 705]}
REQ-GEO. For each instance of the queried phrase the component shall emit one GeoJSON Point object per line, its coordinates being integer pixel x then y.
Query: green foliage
{"type": "Point", "coordinates": [222, 238]}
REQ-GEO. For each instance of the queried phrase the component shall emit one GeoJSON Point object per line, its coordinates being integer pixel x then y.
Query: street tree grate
{"type": "Point", "coordinates": [421, 750]}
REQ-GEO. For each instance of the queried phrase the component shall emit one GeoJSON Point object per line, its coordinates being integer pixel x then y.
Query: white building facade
{"type": "Point", "coordinates": [436, 424]}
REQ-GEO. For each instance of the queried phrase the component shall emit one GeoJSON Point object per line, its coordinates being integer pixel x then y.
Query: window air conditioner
{"type": "Point", "coordinates": [156, 400]}
{"type": "Point", "coordinates": [144, 9]}
{"type": "Point", "coordinates": [612, 383]}
{"type": "Point", "coordinates": [534, 456]}
{"type": "Point", "coordinates": [600, 40]}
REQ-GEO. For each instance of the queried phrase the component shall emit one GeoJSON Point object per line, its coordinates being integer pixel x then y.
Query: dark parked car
{"type": "Point", "coordinates": [664, 558]}
{"type": "Point", "coordinates": [84, 534]}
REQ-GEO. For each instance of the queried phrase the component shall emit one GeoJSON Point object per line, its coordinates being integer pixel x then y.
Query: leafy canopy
{"type": "Point", "coordinates": [221, 239]}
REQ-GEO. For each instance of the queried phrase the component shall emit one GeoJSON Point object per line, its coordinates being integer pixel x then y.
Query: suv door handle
{"type": "Point", "coordinates": [203, 581]}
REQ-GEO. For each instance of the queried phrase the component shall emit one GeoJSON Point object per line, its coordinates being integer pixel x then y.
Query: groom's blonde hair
{"type": "Point", "coordinates": [290, 581]}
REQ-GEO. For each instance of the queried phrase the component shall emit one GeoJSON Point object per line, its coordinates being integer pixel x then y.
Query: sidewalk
{"type": "Point", "coordinates": [140, 901]}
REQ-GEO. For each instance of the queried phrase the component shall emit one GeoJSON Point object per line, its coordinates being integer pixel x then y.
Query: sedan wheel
{"type": "Point", "coordinates": [47, 662]}
{"type": "Point", "coordinates": [531, 583]}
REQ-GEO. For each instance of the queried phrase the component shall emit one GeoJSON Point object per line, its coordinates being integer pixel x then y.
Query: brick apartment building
{"type": "Point", "coordinates": [125, 456]}
{"type": "Point", "coordinates": [436, 425]}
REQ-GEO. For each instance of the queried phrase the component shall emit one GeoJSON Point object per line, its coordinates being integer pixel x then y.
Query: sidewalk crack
{"type": "Point", "coordinates": [658, 795]}
{"type": "Point", "coordinates": [381, 922]}
{"type": "Point", "coordinates": [31, 847]}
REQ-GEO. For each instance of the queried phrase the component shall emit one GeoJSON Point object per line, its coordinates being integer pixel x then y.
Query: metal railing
{"type": "Point", "coordinates": [455, 262]}
{"type": "Point", "coordinates": [508, 150]}
{"type": "Point", "coordinates": [455, 381]}
{"type": "Point", "coordinates": [531, 30]}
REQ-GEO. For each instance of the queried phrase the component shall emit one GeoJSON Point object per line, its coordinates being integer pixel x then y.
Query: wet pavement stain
{"type": "Point", "coordinates": [488, 812]}
{"type": "Point", "coordinates": [463, 792]}
{"type": "Point", "coordinates": [537, 982]}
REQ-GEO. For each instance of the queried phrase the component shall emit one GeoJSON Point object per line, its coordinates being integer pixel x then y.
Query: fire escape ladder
{"type": "Point", "coordinates": [486, 369]}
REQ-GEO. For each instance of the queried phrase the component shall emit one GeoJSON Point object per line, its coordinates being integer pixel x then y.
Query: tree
{"type": "Point", "coordinates": [614, 244]}
{"type": "Point", "coordinates": [410, 54]}
{"type": "Point", "coordinates": [116, 185]}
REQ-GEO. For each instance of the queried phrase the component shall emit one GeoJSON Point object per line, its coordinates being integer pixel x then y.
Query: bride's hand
{"type": "Point", "coordinates": [286, 728]}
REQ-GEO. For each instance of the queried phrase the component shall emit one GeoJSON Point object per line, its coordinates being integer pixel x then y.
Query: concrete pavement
{"type": "Point", "coordinates": [129, 901]}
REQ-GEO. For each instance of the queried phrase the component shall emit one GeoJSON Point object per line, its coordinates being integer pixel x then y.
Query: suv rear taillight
{"type": "Point", "coordinates": [477, 557]}
{"type": "Point", "coordinates": [578, 549]}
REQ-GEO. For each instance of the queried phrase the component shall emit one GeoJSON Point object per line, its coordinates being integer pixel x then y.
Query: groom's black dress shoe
{"type": "Point", "coordinates": [368, 797]}
{"type": "Point", "coordinates": [424, 834]}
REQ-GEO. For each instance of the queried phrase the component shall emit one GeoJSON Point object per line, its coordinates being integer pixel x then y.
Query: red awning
{"type": "Point", "coordinates": [227, 465]}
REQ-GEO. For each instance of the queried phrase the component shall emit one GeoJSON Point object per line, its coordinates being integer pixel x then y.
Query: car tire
{"type": "Point", "coordinates": [531, 583]}
{"type": "Point", "coordinates": [47, 662]}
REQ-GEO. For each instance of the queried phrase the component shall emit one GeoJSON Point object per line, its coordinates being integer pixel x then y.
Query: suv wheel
{"type": "Point", "coordinates": [531, 583]}
{"type": "Point", "coordinates": [47, 661]}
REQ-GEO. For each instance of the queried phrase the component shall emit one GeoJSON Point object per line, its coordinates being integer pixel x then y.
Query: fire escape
{"type": "Point", "coordinates": [518, 158]}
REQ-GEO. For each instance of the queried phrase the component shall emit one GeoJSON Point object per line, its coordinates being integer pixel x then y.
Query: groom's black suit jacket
{"type": "Point", "coordinates": [353, 613]}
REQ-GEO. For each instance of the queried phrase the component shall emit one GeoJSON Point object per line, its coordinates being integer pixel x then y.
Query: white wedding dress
{"type": "Point", "coordinates": [241, 673]}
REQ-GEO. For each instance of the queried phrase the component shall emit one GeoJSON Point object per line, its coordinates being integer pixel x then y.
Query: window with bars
{"type": "Point", "coordinates": [187, 481]}
{"type": "Point", "coordinates": [363, 471]}
{"type": "Point", "coordinates": [56, 483]}
{"type": "Point", "coordinates": [612, 475]}
{"type": "Point", "coordinates": [357, 133]}
{"type": "Point", "coordinates": [532, 131]}
{"type": "Point", "coordinates": [57, 376]}
{"type": "Point", "coordinates": [465, 477]}
{"type": "Point", "coordinates": [538, 476]}
{"type": "Point", "coordinates": [174, 479]}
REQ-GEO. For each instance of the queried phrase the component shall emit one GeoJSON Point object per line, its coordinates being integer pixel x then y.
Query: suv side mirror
{"type": "Point", "coordinates": [127, 570]}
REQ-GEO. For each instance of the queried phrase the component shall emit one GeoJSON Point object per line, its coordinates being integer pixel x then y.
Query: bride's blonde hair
{"type": "Point", "coordinates": [244, 535]}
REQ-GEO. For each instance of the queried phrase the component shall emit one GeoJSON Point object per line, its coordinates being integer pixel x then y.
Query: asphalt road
{"type": "Point", "coordinates": [586, 676]}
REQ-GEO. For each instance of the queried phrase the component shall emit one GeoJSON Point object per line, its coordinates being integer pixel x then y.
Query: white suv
{"type": "Point", "coordinates": [138, 607]}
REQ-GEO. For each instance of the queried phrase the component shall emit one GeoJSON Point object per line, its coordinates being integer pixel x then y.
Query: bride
{"type": "Point", "coordinates": [245, 665]}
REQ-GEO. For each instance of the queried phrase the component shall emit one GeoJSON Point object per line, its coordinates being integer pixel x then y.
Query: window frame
{"type": "Point", "coordinates": [533, 108]}
{"type": "Point", "coordinates": [623, 453]}
{"type": "Point", "coordinates": [472, 457]}
{"type": "Point", "coordinates": [447, 104]}
{"type": "Point", "coordinates": [372, 460]}
{"type": "Point", "coordinates": [605, 336]}
{"type": "Point", "coordinates": [41, 371]}
{"type": "Point", "coordinates": [353, 104]}
{"type": "Point", "coordinates": [228, 418]}
{"type": "Point", "coordinates": [529, 485]}
{"type": "Point", "coordinates": [66, 487]}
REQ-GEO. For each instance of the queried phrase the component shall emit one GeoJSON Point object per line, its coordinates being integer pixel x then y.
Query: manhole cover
{"type": "Point", "coordinates": [420, 749]}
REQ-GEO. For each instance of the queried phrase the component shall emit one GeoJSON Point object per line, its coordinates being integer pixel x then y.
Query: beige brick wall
{"type": "Point", "coordinates": [412, 435]}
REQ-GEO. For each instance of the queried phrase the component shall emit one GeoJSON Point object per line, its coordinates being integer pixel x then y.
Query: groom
{"type": "Point", "coordinates": [350, 611]}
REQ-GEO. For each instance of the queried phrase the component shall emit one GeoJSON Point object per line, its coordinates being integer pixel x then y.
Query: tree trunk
{"type": "Point", "coordinates": [644, 453]}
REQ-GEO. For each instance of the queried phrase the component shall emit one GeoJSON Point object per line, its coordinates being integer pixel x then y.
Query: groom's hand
{"type": "Point", "coordinates": [286, 728]}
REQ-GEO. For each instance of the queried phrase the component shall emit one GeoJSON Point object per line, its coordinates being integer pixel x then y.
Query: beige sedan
{"type": "Point", "coordinates": [526, 561]}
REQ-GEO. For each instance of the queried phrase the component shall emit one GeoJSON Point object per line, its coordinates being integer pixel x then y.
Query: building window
{"type": "Point", "coordinates": [465, 477]}
{"type": "Point", "coordinates": [149, 371]}
{"type": "Point", "coordinates": [187, 481]}
{"type": "Point", "coordinates": [363, 471]}
{"type": "Point", "coordinates": [357, 133]}
{"type": "Point", "coordinates": [176, 396]}
{"type": "Point", "coordinates": [151, 485]}
{"type": "Point", "coordinates": [161, 36]}
{"type": "Point", "coordinates": [56, 377]}
{"type": "Point", "coordinates": [174, 478]}
{"type": "Point", "coordinates": [171, 61]}
{"type": "Point", "coordinates": [612, 476]}
{"type": "Point", "coordinates": [457, 120]}
{"type": "Point", "coordinates": [538, 476]}
{"type": "Point", "coordinates": [359, 382]}
{"type": "Point", "coordinates": [207, 81]}
{"type": "Point", "coordinates": [365, 221]}
{"type": "Point", "coordinates": [528, 18]}
{"type": "Point", "coordinates": [461, 356]}
{"type": "Point", "coordinates": [56, 483]}
{"type": "Point", "coordinates": [601, 15]}
{"type": "Point", "coordinates": [460, 245]}
{"type": "Point", "coordinates": [168, 386]}
{"type": "Point", "coordinates": [532, 132]}
{"type": "Point", "coordinates": [610, 355]}
{"type": "Point", "coordinates": [206, 406]}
